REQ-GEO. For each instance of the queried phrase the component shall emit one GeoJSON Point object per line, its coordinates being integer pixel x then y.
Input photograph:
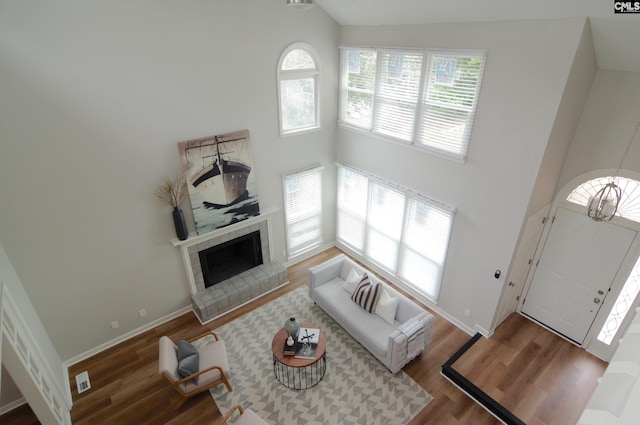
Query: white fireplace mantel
{"type": "Point", "coordinates": [196, 239]}
{"type": "Point", "coordinates": [265, 215]}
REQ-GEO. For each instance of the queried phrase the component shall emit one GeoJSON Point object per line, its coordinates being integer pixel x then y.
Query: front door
{"type": "Point", "coordinates": [578, 265]}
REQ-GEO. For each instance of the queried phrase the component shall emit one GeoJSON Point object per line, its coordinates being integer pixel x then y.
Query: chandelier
{"type": "Point", "coordinates": [603, 206]}
{"type": "Point", "coordinates": [300, 4]}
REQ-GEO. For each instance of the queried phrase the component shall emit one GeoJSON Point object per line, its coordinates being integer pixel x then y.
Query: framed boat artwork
{"type": "Point", "coordinates": [220, 179]}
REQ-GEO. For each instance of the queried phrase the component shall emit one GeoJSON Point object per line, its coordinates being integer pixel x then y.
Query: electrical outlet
{"type": "Point", "coordinates": [115, 324]}
{"type": "Point", "coordinates": [467, 313]}
{"type": "Point", "coordinates": [142, 312]}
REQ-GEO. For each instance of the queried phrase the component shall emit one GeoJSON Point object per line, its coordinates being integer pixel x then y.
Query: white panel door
{"type": "Point", "coordinates": [579, 262]}
{"type": "Point", "coordinates": [522, 265]}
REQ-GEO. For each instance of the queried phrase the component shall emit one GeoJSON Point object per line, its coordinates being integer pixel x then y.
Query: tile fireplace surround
{"type": "Point", "coordinates": [224, 296]}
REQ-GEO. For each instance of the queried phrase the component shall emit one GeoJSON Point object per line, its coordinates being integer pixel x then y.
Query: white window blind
{"type": "Point", "coordinates": [449, 101]}
{"type": "Point", "coordinates": [384, 225]}
{"type": "Point", "coordinates": [358, 84]}
{"type": "Point", "coordinates": [303, 210]}
{"type": "Point", "coordinates": [353, 192]}
{"type": "Point", "coordinates": [426, 98]}
{"type": "Point", "coordinates": [397, 93]}
{"type": "Point", "coordinates": [425, 242]}
{"type": "Point", "coordinates": [405, 233]}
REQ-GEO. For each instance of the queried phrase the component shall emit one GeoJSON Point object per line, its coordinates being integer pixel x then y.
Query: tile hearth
{"type": "Point", "coordinates": [238, 290]}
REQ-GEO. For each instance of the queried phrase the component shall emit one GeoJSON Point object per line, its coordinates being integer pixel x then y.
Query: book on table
{"type": "Point", "coordinates": [311, 335]}
{"type": "Point", "coordinates": [307, 346]}
{"type": "Point", "coordinates": [289, 350]}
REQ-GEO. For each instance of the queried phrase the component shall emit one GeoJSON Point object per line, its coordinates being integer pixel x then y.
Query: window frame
{"type": "Point", "coordinates": [299, 74]}
{"type": "Point", "coordinates": [419, 110]}
{"type": "Point", "coordinates": [430, 290]}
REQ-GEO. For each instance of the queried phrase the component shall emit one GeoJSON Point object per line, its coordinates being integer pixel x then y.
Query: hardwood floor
{"type": "Point", "coordinates": [544, 378]}
{"type": "Point", "coordinates": [532, 372]}
{"type": "Point", "coordinates": [20, 416]}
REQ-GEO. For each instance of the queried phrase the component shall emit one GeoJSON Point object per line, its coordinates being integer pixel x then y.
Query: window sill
{"type": "Point", "coordinates": [424, 149]}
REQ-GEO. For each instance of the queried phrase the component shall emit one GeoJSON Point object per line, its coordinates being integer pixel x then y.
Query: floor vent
{"type": "Point", "coordinates": [82, 382]}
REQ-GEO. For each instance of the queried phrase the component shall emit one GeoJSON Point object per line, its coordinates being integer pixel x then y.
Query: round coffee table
{"type": "Point", "coordinates": [294, 373]}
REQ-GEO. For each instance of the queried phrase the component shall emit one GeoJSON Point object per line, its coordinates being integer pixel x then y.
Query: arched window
{"type": "Point", "coordinates": [629, 207]}
{"type": "Point", "coordinates": [298, 89]}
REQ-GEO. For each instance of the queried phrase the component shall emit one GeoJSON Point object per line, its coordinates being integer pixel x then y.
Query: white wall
{"type": "Point", "coordinates": [525, 77]}
{"type": "Point", "coordinates": [609, 119]}
{"type": "Point", "coordinates": [576, 92]}
{"type": "Point", "coordinates": [10, 395]}
{"type": "Point", "coordinates": [96, 96]}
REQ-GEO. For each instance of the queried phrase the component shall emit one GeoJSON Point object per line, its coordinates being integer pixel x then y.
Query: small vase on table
{"type": "Point", "coordinates": [292, 326]}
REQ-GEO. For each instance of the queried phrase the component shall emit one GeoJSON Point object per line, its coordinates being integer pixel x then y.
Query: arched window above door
{"type": "Point", "coordinates": [629, 207]}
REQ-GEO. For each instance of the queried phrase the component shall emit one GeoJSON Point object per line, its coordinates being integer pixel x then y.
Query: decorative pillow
{"type": "Point", "coordinates": [188, 359]}
{"type": "Point", "coordinates": [352, 281]}
{"type": "Point", "coordinates": [367, 294]}
{"type": "Point", "coordinates": [387, 307]}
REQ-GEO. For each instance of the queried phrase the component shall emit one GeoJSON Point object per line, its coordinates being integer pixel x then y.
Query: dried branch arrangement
{"type": "Point", "coordinates": [173, 192]}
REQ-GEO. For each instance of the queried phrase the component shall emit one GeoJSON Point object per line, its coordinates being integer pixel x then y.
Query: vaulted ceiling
{"type": "Point", "coordinates": [615, 35]}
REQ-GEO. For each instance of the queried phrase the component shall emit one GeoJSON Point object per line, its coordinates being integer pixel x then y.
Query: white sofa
{"type": "Point", "coordinates": [394, 344]}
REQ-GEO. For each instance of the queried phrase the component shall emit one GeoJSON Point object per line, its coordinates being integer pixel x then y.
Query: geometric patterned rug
{"type": "Point", "coordinates": [356, 388]}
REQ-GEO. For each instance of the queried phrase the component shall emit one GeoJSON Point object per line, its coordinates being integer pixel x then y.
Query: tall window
{"type": "Point", "coordinates": [298, 81]}
{"type": "Point", "coordinates": [425, 98]}
{"type": "Point", "coordinates": [405, 233]}
{"type": "Point", "coordinates": [622, 306]}
{"type": "Point", "coordinates": [303, 210]}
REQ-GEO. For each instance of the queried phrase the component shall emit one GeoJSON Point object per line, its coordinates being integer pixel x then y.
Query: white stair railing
{"type": "Point", "coordinates": [17, 334]}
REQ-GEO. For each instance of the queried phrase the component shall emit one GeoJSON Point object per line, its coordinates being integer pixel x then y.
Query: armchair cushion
{"type": "Point", "coordinates": [168, 361]}
{"type": "Point", "coordinates": [214, 354]}
{"type": "Point", "coordinates": [212, 367]}
{"type": "Point", "coordinates": [188, 360]}
{"type": "Point", "coordinates": [247, 417]}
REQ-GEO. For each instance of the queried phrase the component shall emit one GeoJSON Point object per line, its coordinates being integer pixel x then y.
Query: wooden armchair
{"type": "Point", "coordinates": [247, 417]}
{"type": "Point", "coordinates": [213, 367]}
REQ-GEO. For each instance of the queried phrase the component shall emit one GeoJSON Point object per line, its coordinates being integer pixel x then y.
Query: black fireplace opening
{"type": "Point", "coordinates": [230, 258]}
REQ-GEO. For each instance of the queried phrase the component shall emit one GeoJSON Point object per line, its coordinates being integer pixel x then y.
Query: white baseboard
{"type": "Point", "coordinates": [485, 333]}
{"type": "Point", "coordinates": [92, 352]}
{"type": "Point", "coordinates": [96, 350]}
{"type": "Point", "coordinates": [308, 254]}
{"type": "Point", "coordinates": [11, 406]}
{"type": "Point", "coordinates": [458, 324]}
{"type": "Point", "coordinates": [80, 357]}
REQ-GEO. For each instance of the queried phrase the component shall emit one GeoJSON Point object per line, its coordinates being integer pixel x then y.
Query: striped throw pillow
{"type": "Point", "coordinates": [367, 294]}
